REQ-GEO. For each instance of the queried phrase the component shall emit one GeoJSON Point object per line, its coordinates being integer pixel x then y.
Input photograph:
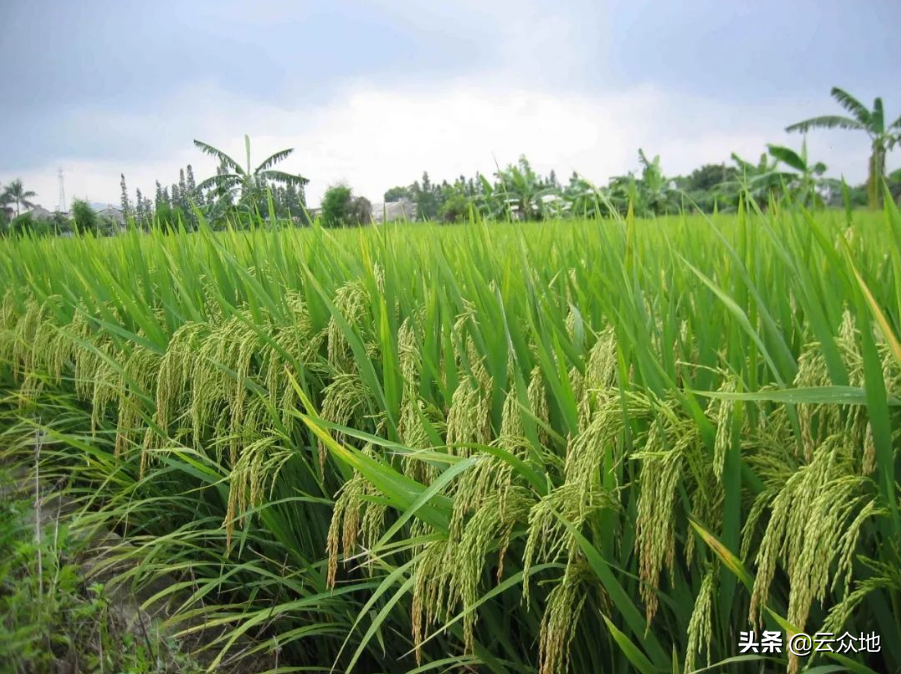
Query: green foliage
{"type": "Point", "coordinates": [84, 218]}
{"type": "Point", "coordinates": [519, 193]}
{"type": "Point", "coordinates": [883, 136]}
{"type": "Point", "coordinates": [125, 203]}
{"type": "Point", "coordinates": [548, 447]}
{"type": "Point", "coordinates": [26, 224]}
{"type": "Point", "coordinates": [51, 618]}
{"type": "Point", "coordinates": [59, 224]}
{"type": "Point", "coordinates": [805, 183]}
{"type": "Point", "coordinates": [894, 185]}
{"type": "Point", "coordinates": [707, 185]}
{"type": "Point", "coordinates": [335, 206]}
{"type": "Point", "coordinates": [399, 194]}
{"type": "Point", "coordinates": [457, 208]}
{"type": "Point", "coordinates": [22, 224]}
{"type": "Point", "coordinates": [523, 191]}
{"type": "Point", "coordinates": [168, 218]}
{"type": "Point", "coordinates": [656, 191]}
{"type": "Point", "coordinates": [340, 208]}
{"type": "Point", "coordinates": [16, 195]}
{"type": "Point", "coordinates": [250, 183]}
{"type": "Point", "coordinates": [426, 197]}
{"type": "Point", "coordinates": [289, 204]}
{"type": "Point", "coordinates": [708, 177]}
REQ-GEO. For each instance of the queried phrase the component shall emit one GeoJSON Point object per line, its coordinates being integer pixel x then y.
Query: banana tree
{"type": "Point", "coordinates": [882, 137]}
{"type": "Point", "coordinates": [761, 180]}
{"type": "Point", "coordinates": [524, 190]}
{"type": "Point", "coordinates": [489, 199]}
{"type": "Point", "coordinates": [249, 182]}
{"type": "Point", "coordinates": [651, 193]}
{"type": "Point", "coordinates": [805, 183]}
{"type": "Point", "coordinates": [657, 190]}
{"type": "Point", "coordinates": [583, 199]}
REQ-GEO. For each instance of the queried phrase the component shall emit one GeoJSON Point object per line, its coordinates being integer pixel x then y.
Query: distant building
{"type": "Point", "coordinates": [40, 213]}
{"type": "Point", "coordinates": [394, 210]}
{"type": "Point", "coordinates": [111, 213]}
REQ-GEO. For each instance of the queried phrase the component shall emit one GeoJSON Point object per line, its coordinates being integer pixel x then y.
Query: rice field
{"type": "Point", "coordinates": [581, 446]}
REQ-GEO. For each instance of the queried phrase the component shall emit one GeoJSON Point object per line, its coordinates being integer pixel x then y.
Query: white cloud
{"type": "Point", "coordinates": [373, 139]}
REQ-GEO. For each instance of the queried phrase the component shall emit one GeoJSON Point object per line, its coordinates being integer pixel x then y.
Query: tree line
{"type": "Point", "coordinates": [245, 193]}
{"type": "Point", "coordinates": [518, 192]}
{"type": "Point", "coordinates": [233, 192]}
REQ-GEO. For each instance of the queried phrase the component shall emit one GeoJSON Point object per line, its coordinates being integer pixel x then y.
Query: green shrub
{"type": "Point", "coordinates": [84, 218]}
{"type": "Point", "coordinates": [457, 208]}
{"type": "Point", "coordinates": [340, 208]}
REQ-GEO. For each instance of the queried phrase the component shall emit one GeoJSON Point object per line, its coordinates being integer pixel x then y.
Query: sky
{"type": "Point", "coordinates": [371, 93]}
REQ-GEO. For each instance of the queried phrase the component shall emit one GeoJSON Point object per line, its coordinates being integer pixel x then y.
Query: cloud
{"type": "Point", "coordinates": [373, 138]}
{"type": "Point", "coordinates": [373, 92]}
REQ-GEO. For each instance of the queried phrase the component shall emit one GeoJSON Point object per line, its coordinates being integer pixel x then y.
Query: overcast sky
{"type": "Point", "coordinates": [373, 92]}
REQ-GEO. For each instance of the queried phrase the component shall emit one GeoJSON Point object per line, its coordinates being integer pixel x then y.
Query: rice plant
{"type": "Point", "coordinates": [537, 447]}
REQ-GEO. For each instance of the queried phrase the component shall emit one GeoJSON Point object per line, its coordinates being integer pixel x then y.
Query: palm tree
{"type": "Point", "coordinates": [882, 137]}
{"type": "Point", "coordinates": [251, 182]}
{"type": "Point", "coordinates": [6, 213]}
{"type": "Point", "coordinates": [16, 194]}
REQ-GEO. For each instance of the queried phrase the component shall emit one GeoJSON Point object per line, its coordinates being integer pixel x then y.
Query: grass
{"type": "Point", "coordinates": [53, 619]}
{"type": "Point", "coordinates": [569, 446]}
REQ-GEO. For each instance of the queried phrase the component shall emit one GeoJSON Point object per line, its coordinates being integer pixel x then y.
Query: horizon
{"type": "Point", "coordinates": [450, 90]}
